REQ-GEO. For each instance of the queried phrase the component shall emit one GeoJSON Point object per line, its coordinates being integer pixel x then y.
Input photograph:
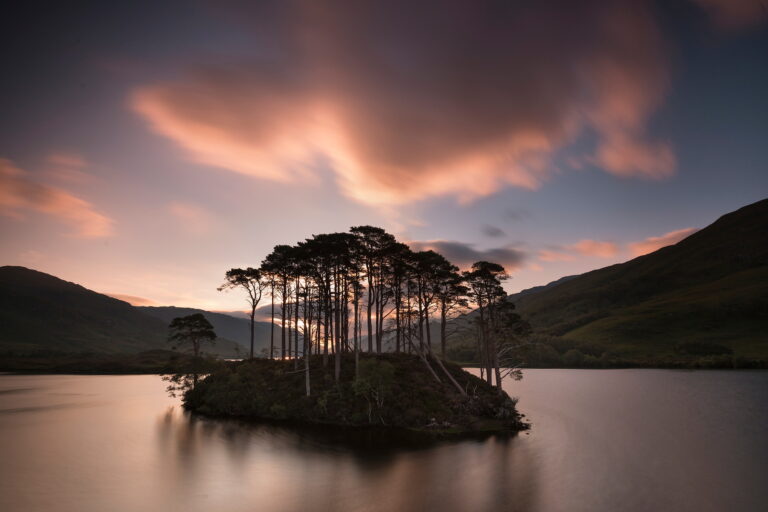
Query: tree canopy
{"type": "Point", "coordinates": [363, 291]}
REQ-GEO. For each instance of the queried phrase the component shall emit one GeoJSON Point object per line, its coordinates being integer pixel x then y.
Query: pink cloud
{"type": "Point", "coordinates": [67, 167]}
{"type": "Point", "coordinates": [586, 247]}
{"type": "Point", "coordinates": [436, 99]}
{"type": "Point", "coordinates": [595, 248]}
{"type": "Point", "coordinates": [20, 194]}
{"type": "Point", "coordinates": [72, 160]}
{"type": "Point", "coordinates": [655, 243]}
{"type": "Point", "coordinates": [195, 219]}
{"type": "Point", "coordinates": [552, 255]}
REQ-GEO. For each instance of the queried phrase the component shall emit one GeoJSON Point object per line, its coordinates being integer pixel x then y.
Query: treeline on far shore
{"type": "Point", "coordinates": [167, 361]}
{"type": "Point", "coordinates": [543, 351]}
{"type": "Point", "coordinates": [148, 362]}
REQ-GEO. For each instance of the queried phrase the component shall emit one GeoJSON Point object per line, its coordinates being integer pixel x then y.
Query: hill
{"type": "Point", "coordinates": [705, 296]}
{"type": "Point", "coordinates": [42, 315]}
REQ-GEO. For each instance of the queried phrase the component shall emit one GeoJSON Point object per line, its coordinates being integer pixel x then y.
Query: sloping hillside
{"type": "Point", "coordinates": [710, 289]}
{"type": "Point", "coordinates": [41, 314]}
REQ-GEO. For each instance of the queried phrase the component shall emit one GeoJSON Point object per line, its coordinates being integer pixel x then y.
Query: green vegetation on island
{"type": "Point", "coordinates": [391, 390]}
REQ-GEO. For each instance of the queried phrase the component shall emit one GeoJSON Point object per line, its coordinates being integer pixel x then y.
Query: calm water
{"type": "Point", "coordinates": [616, 440]}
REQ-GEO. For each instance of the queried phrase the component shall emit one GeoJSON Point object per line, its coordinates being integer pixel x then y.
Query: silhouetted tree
{"type": "Point", "coordinates": [485, 289]}
{"type": "Point", "coordinates": [278, 264]}
{"type": "Point", "coordinates": [326, 281]}
{"type": "Point", "coordinates": [249, 279]}
{"type": "Point", "coordinates": [192, 332]}
{"type": "Point", "coordinates": [512, 333]}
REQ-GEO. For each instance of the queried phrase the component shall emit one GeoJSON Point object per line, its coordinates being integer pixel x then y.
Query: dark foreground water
{"type": "Point", "coordinates": [612, 440]}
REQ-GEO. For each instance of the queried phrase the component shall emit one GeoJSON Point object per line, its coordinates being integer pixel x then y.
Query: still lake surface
{"type": "Point", "coordinates": [602, 440]}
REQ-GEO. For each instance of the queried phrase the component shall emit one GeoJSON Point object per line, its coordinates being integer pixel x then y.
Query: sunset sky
{"type": "Point", "coordinates": [146, 149]}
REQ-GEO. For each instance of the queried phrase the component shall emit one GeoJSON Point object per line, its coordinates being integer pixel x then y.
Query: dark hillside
{"type": "Point", "coordinates": [42, 315]}
{"type": "Point", "coordinates": [711, 287]}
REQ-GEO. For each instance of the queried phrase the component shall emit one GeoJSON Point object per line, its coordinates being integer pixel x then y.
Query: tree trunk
{"type": "Point", "coordinates": [272, 325]}
{"type": "Point", "coordinates": [448, 374]}
{"type": "Point", "coordinates": [442, 329]}
{"type": "Point", "coordinates": [337, 331]}
{"type": "Point", "coordinates": [370, 305]}
{"type": "Point", "coordinates": [296, 328]}
{"type": "Point", "coordinates": [397, 317]}
{"type": "Point", "coordinates": [487, 348]}
{"type": "Point", "coordinates": [307, 339]}
{"type": "Point", "coordinates": [253, 314]}
{"type": "Point", "coordinates": [356, 328]}
{"type": "Point", "coordinates": [426, 321]}
{"type": "Point", "coordinates": [282, 320]}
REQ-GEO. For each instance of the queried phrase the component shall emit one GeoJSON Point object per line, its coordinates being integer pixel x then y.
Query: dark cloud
{"type": "Point", "coordinates": [415, 99]}
{"type": "Point", "coordinates": [493, 231]}
{"type": "Point", "coordinates": [463, 255]}
{"type": "Point", "coordinates": [516, 214]}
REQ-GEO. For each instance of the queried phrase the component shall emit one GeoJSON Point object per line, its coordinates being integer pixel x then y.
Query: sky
{"type": "Point", "coordinates": [147, 147]}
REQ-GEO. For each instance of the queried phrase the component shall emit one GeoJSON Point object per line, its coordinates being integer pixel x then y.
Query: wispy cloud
{"type": "Point", "coordinates": [72, 160]}
{"type": "Point", "coordinates": [403, 112]}
{"type": "Point", "coordinates": [19, 194]}
{"type": "Point", "coordinates": [585, 247]}
{"type": "Point", "coordinates": [493, 231]}
{"type": "Point", "coordinates": [655, 243]}
{"type": "Point", "coordinates": [550, 255]}
{"type": "Point", "coordinates": [194, 219]}
{"type": "Point", "coordinates": [67, 167]}
{"type": "Point", "coordinates": [595, 248]}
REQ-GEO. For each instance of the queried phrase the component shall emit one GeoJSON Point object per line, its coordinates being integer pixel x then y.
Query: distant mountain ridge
{"type": "Point", "coordinates": [42, 314]}
{"type": "Point", "coordinates": [711, 287]}
{"type": "Point", "coordinates": [227, 326]}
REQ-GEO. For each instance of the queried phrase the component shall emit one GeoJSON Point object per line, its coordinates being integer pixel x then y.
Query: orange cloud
{"type": "Point", "coordinates": [655, 243]}
{"type": "Point", "coordinates": [550, 255]}
{"type": "Point", "coordinates": [627, 93]}
{"type": "Point", "coordinates": [595, 248]}
{"type": "Point", "coordinates": [586, 247]}
{"type": "Point", "coordinates": [67, 167]}
{"type": "Point", "coordinates": [19, 194]}
{"type": "Point", "coordinates": [436, 99]}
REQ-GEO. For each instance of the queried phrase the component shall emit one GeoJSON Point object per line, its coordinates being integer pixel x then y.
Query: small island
{"type": "Point", "coordinates": [333, 292]}
{"type": "Point", "coordinates": [391, 390]}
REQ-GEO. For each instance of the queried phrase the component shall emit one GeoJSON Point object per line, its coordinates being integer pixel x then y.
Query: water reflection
{"type": "Point", "coordinates": [294, 468]}
{"type": "Point", "coordinates": [601, 441]}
